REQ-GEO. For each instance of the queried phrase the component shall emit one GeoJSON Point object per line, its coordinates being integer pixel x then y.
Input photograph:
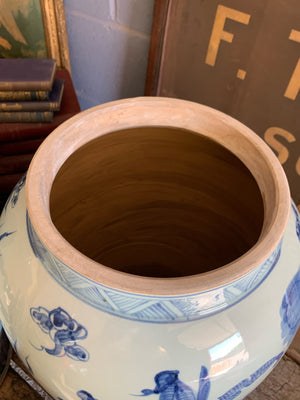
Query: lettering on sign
{"type": "Point", "coordinates": [282, 141]}
{"type": "Point", "coordinates": [294, 83]}
{"type": "Point", "coordinates": [218, 32]}
{"type": "Point", "coordinates": [280, 149]}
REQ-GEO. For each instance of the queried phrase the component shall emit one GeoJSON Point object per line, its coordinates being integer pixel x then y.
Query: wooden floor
{"type": "Point", "coordinates": [282, 384]}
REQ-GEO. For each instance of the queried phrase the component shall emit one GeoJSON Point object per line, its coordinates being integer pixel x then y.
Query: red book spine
{"type": "Point", "coordinates": [14, 164]}
{"type": "Point", "coordinates": [21, 147]}
{"type": "Point", "coordinates": [8, 182]}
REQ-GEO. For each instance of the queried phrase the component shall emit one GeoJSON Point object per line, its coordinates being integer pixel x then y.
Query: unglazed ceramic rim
{"type": "Point", "coordinates": [156, 111]}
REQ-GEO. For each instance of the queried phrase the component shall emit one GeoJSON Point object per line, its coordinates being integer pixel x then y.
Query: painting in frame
{"type": "Point", "coordinates": [34, 29]}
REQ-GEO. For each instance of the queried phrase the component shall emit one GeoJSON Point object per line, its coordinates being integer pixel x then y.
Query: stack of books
{"type": "Point", "coordinates": [29, 91]}
{"type": "Point", "coordinates": [20, 140]}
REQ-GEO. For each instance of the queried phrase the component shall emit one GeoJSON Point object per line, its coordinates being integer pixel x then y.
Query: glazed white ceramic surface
{"type": "Point", "coordinates": [82, 338]}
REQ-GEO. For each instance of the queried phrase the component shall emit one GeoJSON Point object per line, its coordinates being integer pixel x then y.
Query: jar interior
{"type": "Point", "coordinates": [157, 202]}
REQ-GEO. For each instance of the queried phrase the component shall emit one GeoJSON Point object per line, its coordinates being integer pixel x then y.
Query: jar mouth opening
{"type": "Point", "coordinates": [158, 196]}
{"type": "Point", "coordinates": [157, 202]}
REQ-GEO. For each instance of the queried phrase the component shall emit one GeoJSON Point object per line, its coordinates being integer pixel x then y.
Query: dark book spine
{"type": "Point", "coordinates": [23, 116]}
{"type": "Point", "coordinates": [25, 95]}
{"type": "Point", "coordinates": [27, 74]}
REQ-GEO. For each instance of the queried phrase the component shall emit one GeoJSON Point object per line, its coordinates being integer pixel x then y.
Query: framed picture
{"type": "Point", "coordinates": [242, 58]}
{"type": "Point", "coordinates": [34, 29]}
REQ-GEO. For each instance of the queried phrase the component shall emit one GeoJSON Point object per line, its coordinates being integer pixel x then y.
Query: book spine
{"type": "Point", "coordinates": [27, 106]}
{"type": "Point", "coordinates": [23, 116]}
{"type": "Point", "coordinates": [15, 164]}
{"type": "Point", "coordinates": [25, 85]}
{"type": "Point", "coordinates": [23, 95]}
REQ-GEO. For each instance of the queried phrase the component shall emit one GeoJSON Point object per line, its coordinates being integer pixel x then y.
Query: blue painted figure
{"type": "Point", "coordinates": [204, 384]}
{"type": "Point", "coordinates": [169, 387]}
{"type": "Point", "coordinates": [290, 310]}
{"type": "Point", "coordinates": [63, 330]}
{"type": "Point", "coordinates": [83, 395]}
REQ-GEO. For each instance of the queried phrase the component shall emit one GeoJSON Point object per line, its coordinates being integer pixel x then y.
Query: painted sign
{"type": "Point", "coordinates": [242, 58]}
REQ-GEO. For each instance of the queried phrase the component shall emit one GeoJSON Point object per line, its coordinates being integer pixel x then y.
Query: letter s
{"type": "Point", "coordinates": [281, 150]}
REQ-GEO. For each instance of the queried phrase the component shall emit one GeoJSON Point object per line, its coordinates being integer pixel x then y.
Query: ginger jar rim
{"type": "Point", "coordinates": [168, 112]}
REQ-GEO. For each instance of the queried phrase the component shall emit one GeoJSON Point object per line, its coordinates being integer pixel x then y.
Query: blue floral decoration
{"type": "Point", "coordinates": [290, 310]}
{"type": "Point", "coordinates": [63, 330]}
{"type": "Point", "coordinates": [297, 220]}
{"type": "Point", "coordinates": [28, 365]}
{"type": "Point", "coordinates": [169, 387]}
{"type": "Point", "coordinates": [5, 234]}
{"type": "Point", "coordinates": [14, 196]}
{"type": "Point", "coordinates": [237, 389]}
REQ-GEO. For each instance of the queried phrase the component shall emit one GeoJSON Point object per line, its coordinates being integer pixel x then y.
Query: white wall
{"type": "Point", "coordinates": [109, 43]}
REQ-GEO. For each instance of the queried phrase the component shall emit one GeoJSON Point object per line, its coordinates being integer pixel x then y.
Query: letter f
{"type": "Point", "coordinates": [218, 32]}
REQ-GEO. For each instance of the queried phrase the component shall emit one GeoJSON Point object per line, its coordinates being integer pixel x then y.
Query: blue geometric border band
{"type": "Point", "coordinates": [157, 309]}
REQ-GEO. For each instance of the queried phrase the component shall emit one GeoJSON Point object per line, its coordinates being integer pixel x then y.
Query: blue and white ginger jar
{"type": "Point", "coordinates": [152, 251]}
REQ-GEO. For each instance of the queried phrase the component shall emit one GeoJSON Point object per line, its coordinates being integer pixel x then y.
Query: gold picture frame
{"type": "Point", "coordinates": [55, 28]}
